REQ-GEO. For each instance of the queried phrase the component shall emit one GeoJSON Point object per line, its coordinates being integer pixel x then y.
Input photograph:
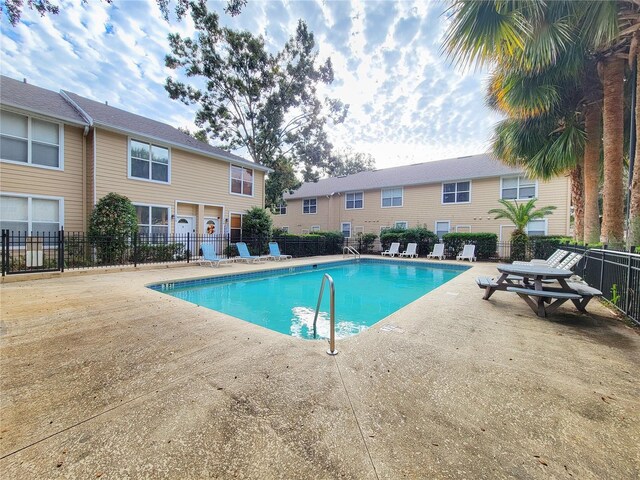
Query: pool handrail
{"type": "Point", "coordinates": [332, 313]}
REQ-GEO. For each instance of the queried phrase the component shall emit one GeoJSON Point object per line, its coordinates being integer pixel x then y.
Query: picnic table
{"type": "Point", "coordinates": [530, 282]}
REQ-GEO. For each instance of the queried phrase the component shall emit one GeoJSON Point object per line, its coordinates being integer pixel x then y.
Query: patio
{"type": "Point", "coordinates": [102, 377]}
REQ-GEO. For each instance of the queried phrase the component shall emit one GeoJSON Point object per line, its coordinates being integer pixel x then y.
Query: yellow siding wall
{"type": "Point", "coordinates": [194, 178]}
{"type": "Point", "coordinates": [423, 206]}
{"type": "Point", "coordinates": [31, 180]}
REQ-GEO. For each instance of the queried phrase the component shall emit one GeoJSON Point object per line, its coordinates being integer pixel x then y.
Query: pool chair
{"type": "Point", "coordinates": [394, 250]}
{"type": "Point", "coordinates": [438, 251]}
{"type": "Point", "coordinates": [274, 250]}
{"type": "Point", "coordinates": [245, 256]}
{"type": "Point", "coordinates": [411, 251]}
{"type": "Point", "coordinates": [553, 261]}
{"type": "Point", "coordinates": [209, 256]}
{"type": "Point", "coordinates": [468, 253]}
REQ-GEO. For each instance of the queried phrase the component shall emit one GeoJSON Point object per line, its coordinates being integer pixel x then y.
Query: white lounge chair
{"type": "Point", "coordinates": [394, 250]}
{"type": "Point", "coordinates": [553, 260]}
{"type": "Point", "coordinates": [438, 251]}
{"type": "Point", "coordinates": [209, 256]}
{"type": "Point", "coordinates": [468, 253]}
{"type": "Point", "coordinates": [274, 250]}
{"type": "Point", "coordinates": [411, 251]}
{"type": "Point", "coordinates": [245, 256]}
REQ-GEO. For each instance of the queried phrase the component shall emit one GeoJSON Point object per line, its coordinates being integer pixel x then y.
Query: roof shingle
{"type": "Point", "coordinates": [462, 168]}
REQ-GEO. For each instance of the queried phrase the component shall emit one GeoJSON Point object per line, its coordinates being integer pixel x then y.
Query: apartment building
{"type": "Point", "coordinates": [61, 152]}
{"type": "Point", "coordinates": [453, 195]}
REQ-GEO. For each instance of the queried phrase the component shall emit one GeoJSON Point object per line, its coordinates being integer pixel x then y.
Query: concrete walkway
{"type": "Point", "coordinates": [104, 378]}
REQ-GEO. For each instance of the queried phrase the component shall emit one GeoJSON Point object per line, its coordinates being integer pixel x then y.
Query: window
{"type": "Point", "coordinates": [31, 141]}
{"type": "Point", "coordinates": [315, 228]}
{"type": "Point", "coordinates": [463, 228]}
{"type": "Point", "coordinates": [358, 230]}
{"type": "Point", "coordinates": [148, 161]}
{"type": "Point", "coordinates": [518, 188]}
{"type": "Point", "coordinates": [456, 192]}
{"type": "Point", "coordinates": [280, 209]}
{"type": "Point", "coordinates": [285, 229]}
{"type": "Point", "coordinates": [153, 222]}
{"type": "Point", "coordinates": [401, 225]}
{"type": "Point", "coordinates": [235, 229]}
{"type": "Point", "coordinates": [537, 228]}
{"type": "Point", "coordinates": [305, 231]}
{"type": "Point", "coordinates": [309, 206]}
{"type": "Point", "coordinates": [241, 181]}
{"type": "Point", "coordinates": [346, 229]}
{"type": "Point", "coordinates": [354, 200]}
{"type": "Point", "coordinates": [26, 215]}
{"type": "Point", "coordinates": [442, 227]}
{"type": "Point", "coordinates": [392, 197]}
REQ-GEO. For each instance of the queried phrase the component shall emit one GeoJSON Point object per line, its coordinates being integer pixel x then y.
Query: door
{"type": "Point", "coordinates": [211, 227]}
{"type": "Point", "coordinates": [186, 225]}
{"type": "Point", "coordinates": [504, 246]}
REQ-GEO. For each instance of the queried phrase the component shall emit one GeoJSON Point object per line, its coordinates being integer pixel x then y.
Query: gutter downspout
{"type": "Point", "coordinates": [95, 163]}
{"type": "Point", "coordinates": [84, 177]}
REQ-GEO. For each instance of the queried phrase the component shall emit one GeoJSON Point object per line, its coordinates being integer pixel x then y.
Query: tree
{"type": "Point", "coordinates": [256, 223]}
{"type": "Point", "coordinates": [266, 103]}
{"type": "Point", "coordinates": [520, 215]}
{"type": "Point", "coordinates": [200, 135]}
{"type": "Point", "coordinates": [112, 224]}
{"type": "Point", "coordinates": [349, 162]}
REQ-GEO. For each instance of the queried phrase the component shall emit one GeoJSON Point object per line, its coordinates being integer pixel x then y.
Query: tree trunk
{"type": "Point", "coordinates": [577, 200]}
{"type": "Point", "coordinates": [634, 206]}
{"type": "Point", "coordinates": [612, 141]}
{"type": "Point", "coordinates": [591, 169]}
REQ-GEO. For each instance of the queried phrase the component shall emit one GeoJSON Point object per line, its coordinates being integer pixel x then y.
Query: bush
{"type": "Point", "coordinates": [424, 237]}
{"type": "Point", "coordinates": [519, 246]}
{"type": "Point", "coordinates": [365, 242]}
{"type": "Point", "coordinates": [486, 243]}
{"type": "Point", "coordinates": [149, 253]}
{"type": "Point", "coordinates": [112, 224]}
{"type": "Point", "coordinates": [544, 246]}
{"type": "Point", "coordinates": [317, 243]}
{"type": "Point", "coordinates": [256, 223]}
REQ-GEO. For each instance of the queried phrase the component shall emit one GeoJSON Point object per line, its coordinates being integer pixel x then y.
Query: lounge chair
{"type": "Point", "coordinates": [567, 264]}
{"type": "Point", "coordinates": [209, 256]}
{"type": "Point", "coordinates": [411, 251]}
{"type": "Point", "coordinates": [394, 250]}
{"type": "Point", "coordinates": [274, 250]}
{"type": "Point", "coordinates": [438, 251]}
{"type": "Point", "coordinates": [245, 256]}
{"type": "Point", "coordinates": [468, 253]}
{"type": "Point", "coordinates": [553, 261]}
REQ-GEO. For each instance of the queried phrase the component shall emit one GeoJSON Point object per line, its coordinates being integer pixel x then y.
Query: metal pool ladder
{"type": "Point", "coordinates": [332, 313]}
{"type": "Point", "coordinates": [349, 250]}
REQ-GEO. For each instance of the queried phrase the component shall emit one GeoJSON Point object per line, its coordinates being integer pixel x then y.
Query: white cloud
{"type": "Point", "coordinates": [407, 104]}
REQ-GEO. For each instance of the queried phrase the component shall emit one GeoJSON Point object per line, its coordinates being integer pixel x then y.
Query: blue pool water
{"type": "Point", "coordinates": [366, 292]}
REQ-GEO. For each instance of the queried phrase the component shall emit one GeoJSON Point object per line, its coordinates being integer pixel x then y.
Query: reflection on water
{"type": "Point", "coordinates": [302, 324]}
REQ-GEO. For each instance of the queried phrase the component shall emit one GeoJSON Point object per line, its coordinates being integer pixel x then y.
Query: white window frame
{"type": "Point", "coordinates": [305, 231]}
{"type": "Point", "coordinates": [546, 226]}
{"type": "Point", "coordinates": [285, 228]}
{"type": "Point", "coordinates": [346, 197]}
{"type": "Point", "coordinates": [253, 181]}
{"type": "Point", "coordinates": [315, 199]}
{"type": "Point", "coordinates": [29, 139]}
{"type": "Point", "coordinates": [150, 143]}
{"type": "Point", "coordinates": [455, 182]}
{"type": "Point", "coordinates": [171, 227]}
{"type": "Point", "coordinates": [464, 226]}
{"type": "Point", "coordinates": [384, 227]}
{"type": "Point", "coordinates": [358, 229]}
{"type": "Point", "coordinates": [382, 190]}
{"type": "Point", "coordinates": [30, 198]}
{"type": "Point", "coordinates": [342, 229]}
{"type": "Point", "coordinates": [315, 228]}
{"type": "Point", "coordinates": [435, 226]}
{"type": "Point", "coordinates": [406, 224]}
{"type": "Point", "coordinates": [279, 208]}
{"type": "Point", "coordinates": [502, 179]}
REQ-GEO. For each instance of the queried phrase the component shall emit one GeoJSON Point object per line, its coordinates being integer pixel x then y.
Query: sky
{"type": "Point", "coordinates": [407, 103]}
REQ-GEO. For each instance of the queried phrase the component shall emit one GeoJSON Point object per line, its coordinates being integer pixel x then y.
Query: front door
{"type": "Point", "coordinates": [186, 225]}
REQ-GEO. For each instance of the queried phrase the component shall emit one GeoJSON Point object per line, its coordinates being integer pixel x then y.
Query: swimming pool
{"type": "Point", "coordinates": [284, 299]}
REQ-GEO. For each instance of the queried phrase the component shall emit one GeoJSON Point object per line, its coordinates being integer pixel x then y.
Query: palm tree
{"type": "Point", "coordinates": [520, 214]}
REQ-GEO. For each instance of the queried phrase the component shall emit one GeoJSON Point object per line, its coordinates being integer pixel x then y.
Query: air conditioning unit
{"type": "Point", "coordinates": [34, 258]}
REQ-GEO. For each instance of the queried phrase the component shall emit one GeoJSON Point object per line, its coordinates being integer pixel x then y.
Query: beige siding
{"type": "Point", "coordinates": [30, 180]}
{"type": "Point", "coordinates": [195, 179]}
{"type": "Point", "coordinates": [89, 163]}
{"type": "Point", "coordinates": [422, 206]}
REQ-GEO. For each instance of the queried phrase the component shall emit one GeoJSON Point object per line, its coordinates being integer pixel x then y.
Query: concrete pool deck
{"type": "Point", "coordinates": [102, 377]}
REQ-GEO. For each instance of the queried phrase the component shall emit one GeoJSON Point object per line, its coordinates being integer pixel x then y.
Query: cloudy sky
{"type": "Point", "coordinates": [407, 103]}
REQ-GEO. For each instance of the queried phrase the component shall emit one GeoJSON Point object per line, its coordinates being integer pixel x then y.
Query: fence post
{"type": "Point", "coordinates": [626, 292]}
{"type": "Point", "coordinates": [61, 249]}
{"type": "Point", "coordinates": [5, 251]}
{"type": "Point", "coordinates": [188, 246]}
{"type": "Point", "coordinates": [604, 250]}
{"type": "Point", "coordinates": [135, 249]}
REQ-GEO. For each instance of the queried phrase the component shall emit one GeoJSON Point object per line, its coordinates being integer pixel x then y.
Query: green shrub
{"type": "Point", "coordinates": [317, 243]}
{"type": "Point", "coordinates": [365, 242]}
{"type": "Point", "coordinates": [519, 246]}
{"type": "Point", "coordinates": [486, 243]}
{"type": "Point", "coordinates": [256, 223]}
{"type": "Point", "coordinates": [112, 224]}
{"type": "Point", "coordinates": [424, 237]}
{"type": "Point", "coordinates": [149, 253]}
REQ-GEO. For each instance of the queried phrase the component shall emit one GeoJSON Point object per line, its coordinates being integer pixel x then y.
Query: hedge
{"type": "Point", "coordinates": [424, 237]}
{"type": "Point", "coordinates": [486, 243]}
{"type": "Point", "coordinates": [317, 243]}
